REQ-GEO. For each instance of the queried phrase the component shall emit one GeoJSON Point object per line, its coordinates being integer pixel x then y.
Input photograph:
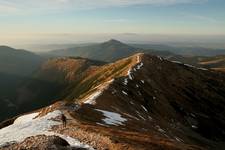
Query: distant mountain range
{"type": "Point", "coordinates": [113, 50]}
{"type": "Point", "coordinates": [109, 51]}
{"type": "Point", "coordinates": [184, 51]}
{"type": "Point", "coordinates": [18, 62]}
{"type": "Point", "coordinates": [138, 102]}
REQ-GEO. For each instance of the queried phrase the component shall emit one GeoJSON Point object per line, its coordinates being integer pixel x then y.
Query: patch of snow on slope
{"type": "Point", "coordinates": [204, 69]}
{"type": "Point", "coordinates": [129, 73]}
{"type": "Point", "coordinates": [91, 99]}
{"type": "Point", "coordinates": [193, 126]}
{"type": "Point", "coordinates": [124, 92]}
{"type": "Point", "coordinates": [25, 118]}
{"type": "Point", "coordinates": [161, 59]}
{"type": "Point", "coordinates": [177, 62]}
{"type": "Point", "coordinates": [188, 65]}
{"type": "Point", "coordinates": [139, 114]}
{"type": "Point", "coordinates": [26, 126]}
{"type": "Point", "coordinates": [178, 139]}
{"type": "Point", "coordinates": [125, 81]}
{"type": "Point", "coordinates": [144, 108]}
{"type": "Point", "coordinates": [139, 66]}
{"type": "Point", "coordinates": [191, 66]}
{"type": "Point", "coordinates": [112, 118]}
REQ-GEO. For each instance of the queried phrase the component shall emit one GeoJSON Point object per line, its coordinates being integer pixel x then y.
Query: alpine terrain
{"type": "Point", "coordinates": [141, 102]}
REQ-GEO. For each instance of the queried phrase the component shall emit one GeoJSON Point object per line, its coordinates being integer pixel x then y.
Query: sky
{"type": "Point", "coordinates": [33, 21]}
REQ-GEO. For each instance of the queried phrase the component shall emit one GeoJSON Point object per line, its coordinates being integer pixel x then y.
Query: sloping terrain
{"type": "Point", "coordinates": [16, 66]}
{"type": "Point", "coordinates": [215, 63]}
{"type": "Point", "coordinates": [139, 102]}
{"type": "Point", "coordinates": [190, 51]}
{"type": "Point", "coordinates": [52, 82]}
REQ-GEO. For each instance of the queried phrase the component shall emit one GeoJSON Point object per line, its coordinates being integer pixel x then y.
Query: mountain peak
{"type": "Point", "coordinates": [113, 41]}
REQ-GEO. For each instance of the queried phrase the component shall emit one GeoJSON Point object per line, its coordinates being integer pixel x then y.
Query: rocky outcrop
{"type": "Point", "coordinates": [41, 142]}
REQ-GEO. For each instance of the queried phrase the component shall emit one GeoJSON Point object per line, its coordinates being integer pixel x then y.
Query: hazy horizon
{"type": "Point", "coordinates": [37, 41]}
{"type": "Point", "coordinates": [145, 21]}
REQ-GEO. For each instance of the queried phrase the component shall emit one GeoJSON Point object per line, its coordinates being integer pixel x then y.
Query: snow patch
{"type": "Point", "coordinates": [129, 74]}
{"type": "Point", "coordinates": [144, 108]}
{"type": "Point", "coordinates": [160, 58]}
{"type": "Point", "coordinates": [91, 99]}
{"type": "Point", "coordinates": [191, 66]}
{"type": "Point", "coordinates": [160, 129]}
{"type": "Point", "coordinates": [178, 139]}
{"type": "Point", "coordinates": [112, 118]}
{"type": "Point", "coordinates": [177, 62]}
{"type": "Point", "coordinates": [125, 93]}
{"type": "Point", "coordinates": [125, 82]}
{"type": "Point", "coordinates": [25, 118]}
{"type": "Point", "coordinates": [139, 66]}
{"type": "Point", "coordinates": [132, 102]}
{"type": "Point", "coordinates": [188, 65]}
{"type": "Point", "coordinates": [27, 125]}
{"type": "Point", "coordinates": [139, 114]}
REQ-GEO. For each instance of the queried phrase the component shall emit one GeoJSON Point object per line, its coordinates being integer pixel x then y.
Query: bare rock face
{"type": "Point", "coordinates": [42, 142]}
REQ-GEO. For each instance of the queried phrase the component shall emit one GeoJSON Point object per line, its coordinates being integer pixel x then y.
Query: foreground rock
{"type": "Point", "coordinates": [41, 142]}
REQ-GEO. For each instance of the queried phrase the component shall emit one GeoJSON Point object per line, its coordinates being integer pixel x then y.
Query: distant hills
{"type": "Point", "coordinates": [184, 51]}
{"type": "Point", "coordinates": [113, 50]}
{"type": "Point", "coordinates": [109, 51]}
{"type": "Point", "coordinates": [18, 62]}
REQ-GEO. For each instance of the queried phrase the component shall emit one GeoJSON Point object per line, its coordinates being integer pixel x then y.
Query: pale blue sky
{"type": "Point", "coordinates": [29, 17]}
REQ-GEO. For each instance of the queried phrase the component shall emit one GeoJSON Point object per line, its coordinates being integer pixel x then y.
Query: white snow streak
{"type": "Point", "coordinates": [144, 108]}
{"type": "Point", "coordinates": [112, 118]}
{"type": "Point", "coordinates": [91, 99]}
{"type": "Point", "coordinates": [129, 73]}
{"type": "Point", "coordinates": [177, 62]}
{"type": "Point", "coordinates": [188, 65]}
{"type": "Point", "coordinates": [124, 92]}
{"type": "Point", "coordinates": [125, 81]}
{"type": "Point", "coordinates": [99, 90]}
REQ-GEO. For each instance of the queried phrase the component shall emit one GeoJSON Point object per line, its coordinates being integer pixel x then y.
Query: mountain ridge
{"type": "Point", "coordinates": [142, 95]}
